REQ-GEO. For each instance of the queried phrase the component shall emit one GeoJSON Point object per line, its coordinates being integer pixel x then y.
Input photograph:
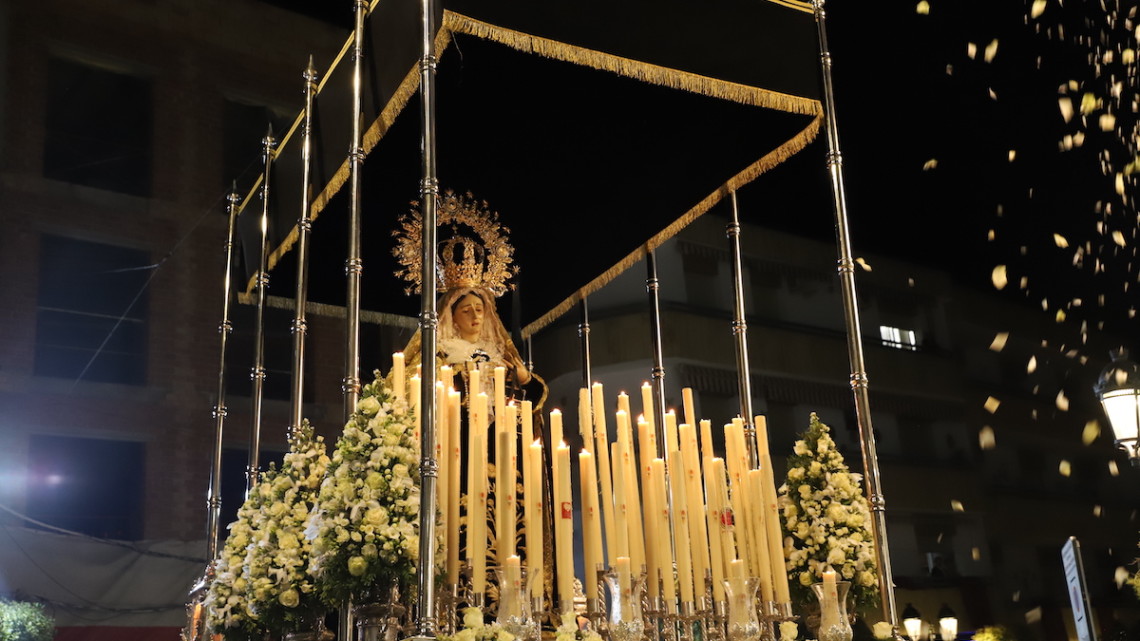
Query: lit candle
{"type": "Point", "coordinates": [737, 494]}
{"type": "Point", "coordinates": [556, 435]}
{"type": "Point", "coordinates": [829, 605]}
{"type": "Point", "coordinates": [647, 405]}
{"type": "Point", "coordinates": [682, 549]}
{"type": "Point", "coordinates": [671, 442]}
{"type": "Point", "coordinates": [504, 500]}
{"type": "Point", "coordinates": [447, 376]}
{"type": "Point", "coordinates": [591, 522]}
{"type": "Point", "coordinates": [623, 406]}
{"type": "Point", "coordinates": [717, 552]}
{"type": "Point", "coordinates": [455, 451]}
{"type": "Point", "coordinates": [772, 520]}
{"type": "Point", "coordinates": [564, 525]}
{"type": "Point", "coordinates": [398, 374]}
{"type": "Point", "coordinates": [763, 551]}
{"type": "Point", "coordinates": [475, 377]}
{"type": "Point", "coordinates": [585, 420]}
{"type": "Point", "coordinates": [478, 516]}
{"type": "Point", "coordinates": [602, 438]}
{"type": "Point", "coordinates": [664, 548]}
{"type": "Point", "coordinates": [500, 375]}
{"type": "Point", "coordinates": [621, 505]}
{"type": "Point", "coordinates": [533, 514]}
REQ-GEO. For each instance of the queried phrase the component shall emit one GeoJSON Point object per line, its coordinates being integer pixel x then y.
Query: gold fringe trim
{"type": "Point", "coordinates": [798, 5]}
{"type": "Point", "coordinates": [791, 147]}
{"type": "Point", "coordinates": [644, 72]}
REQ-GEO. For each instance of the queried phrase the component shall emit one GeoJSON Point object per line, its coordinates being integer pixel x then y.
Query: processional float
{"type": "Point", "coordinates": [551, 34]}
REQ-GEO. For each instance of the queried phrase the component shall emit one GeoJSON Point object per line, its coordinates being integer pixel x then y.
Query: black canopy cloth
{"type": "Point", "coordinates": [596, 130]}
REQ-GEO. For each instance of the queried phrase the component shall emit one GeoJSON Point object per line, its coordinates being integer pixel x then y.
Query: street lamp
{"type": "Point", "coordinates": [912, 621]}
{"type": "Point", "coordinates": [948, 622]}
{"type": "Point", "coordinates": [1118, 388]}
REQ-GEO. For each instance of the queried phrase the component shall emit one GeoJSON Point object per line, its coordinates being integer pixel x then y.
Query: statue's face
{"type": "Point", "coordinates": [468, 316]}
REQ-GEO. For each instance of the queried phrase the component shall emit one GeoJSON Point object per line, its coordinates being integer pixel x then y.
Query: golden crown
{"type": "Point", "coordinates": [474, 254]}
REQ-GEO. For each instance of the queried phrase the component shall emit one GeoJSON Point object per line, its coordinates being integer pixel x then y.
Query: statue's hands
{"type": "Point", "coordinates": [522, 374]}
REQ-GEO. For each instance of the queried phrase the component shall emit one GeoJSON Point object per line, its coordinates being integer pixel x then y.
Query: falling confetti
{"type": "Point", "coordinates": [1066, 105]}
{"type": "Point", "coordinates": [1062, 401]}
{"type": "Point", "coordinates": [1060, 241]}
{"type": "Point", "coordinates": [1091, 431]}
{"type": "Point", "coordinates": [1113, 469]}
{"type": "Point", "coordinates": [1118, 238]}
{"type": "Point", "coordinates": [1065, 468]}
{"type": "Point", "coordinates": [998, 343]}
{"type": "Point", "coordinates": [986, 438]}
{"type": "Point", "coordinates": [1097, 511]}
{"type": "Point", "coordinates": [992, 404]}
{"type": "Point", "coordinates": [976, 554]}
{"type": "Point", "coordinates": [862, 263]}
{"type": "Point", "coordinates": [957, 506]}
{"type": "Point", "coordinates": [1037, 9]}
{"type": "Point", "coordinates": [999, 278]}
{"type": "Point", "coordinates": [1033, 616]}
{"type": "Point", "coordinates": [1120, 576]}
{"type": "Point", "coordinates": [930, 164]}
{"type": "Point", "coordinates": [1032, 366]}
{"type": "Point", "coordinates": [1012, 154]}
{"type": "Point", "coordinates": [923, 8]}
{"type": "Point", "coordinates": [971, 50]}
{"type": "Point", "coordinates": [991, 50]}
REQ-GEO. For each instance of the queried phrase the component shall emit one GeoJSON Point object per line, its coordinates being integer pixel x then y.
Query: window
{"type": "Point", "coordinates": [899, 338]}
{"type": "Point", "coordinates": [98, 128]}
{"type": "Point", "coordinates": [86, 485]}
{"type": "Point", "coordinates": [89, 324]}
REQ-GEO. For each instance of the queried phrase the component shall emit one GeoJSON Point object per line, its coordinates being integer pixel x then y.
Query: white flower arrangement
{"type": "Point", "coordinates": [226, 602]}
{"type": "Point", "coordinates": [364, 527]}
{"type": "Point", "coordinates": [281, 591]}
{"type": "Point", "coordinates": [828, 520]}
{"type": "Point", "coordinates": [474, 629]}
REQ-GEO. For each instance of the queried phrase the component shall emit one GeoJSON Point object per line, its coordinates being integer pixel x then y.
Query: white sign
{"type": "Point", "coordinates": [1078, 592]}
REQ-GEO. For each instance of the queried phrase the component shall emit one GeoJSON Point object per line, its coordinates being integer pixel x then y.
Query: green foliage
{"type": "Point", "coordinates": [20, 621]}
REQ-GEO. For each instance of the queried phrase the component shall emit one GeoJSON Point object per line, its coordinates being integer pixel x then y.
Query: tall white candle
{"type": "Point", "coordinates": [564, 525]}
{"type": "Point", "coordinates": [647, 405]}
{"type": "Point", "coordinates": [455, 451]}
{"type": "Point", "coordinates": [605, 478]}
{"type": "Point", "coordinates": [398, 374]}
{"type": "Point", "coordinates": [534, 512]}
{"type": "Point", "coordinates": [591, 522]}
{"type": "Point", "coordinates": [556, 433]}
{"type": "Point", "coordinates": [682, 550]}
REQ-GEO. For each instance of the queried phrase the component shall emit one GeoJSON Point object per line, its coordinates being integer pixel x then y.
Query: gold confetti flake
{"type": "Point", "coordinates": [1060, 318]}
{"type": "Point", "coordinates": [993, 94]}
{"type": "Point", "coordinates": [1113, 469]}
{"type": "Point", "coordinates": [1012, 154]}
{"type": "Point", "coordinates": [1066, 105]}
{"type": "Point", "coordinates": [1091, 431]}
{"type": "Point", "coordinates": [1117, 236]}
{"type": "Point", "coordinates": [930, 164]}
{"type": "Point", "coordinates": [956, 505]}
{"type": "Point", "coordinates": [976, 554]}
{"type": "Point", "coordinates": [991, 50]}
{"type": "Point", "coordinates": [1033, 616]}
{"type": "Point", "coordinates": [1037, 8]}
{"type": "Point", "coordinates": [999, 278]}
{"type": "Point", "coordinates": [1097, 511]}
{"type": "Point", "coordinates": [1016, 596]}
{"type": "Point", "coordinates": [1032, 365]}
{"type": "Point", "coordinates": [986, 438]}
{"type": "Point", "coordinates": [991, 235]}
{"type": "Point", "coordinates": [1128, 56]}
{"type": "Point", "coordinates": [992, 405]}
{"type": "Point", "coordinates": [998, 343]}
{"type": "Point", "coordinates": [1065, 468]}
{"type": "Point", "coordinates": [1107, 122]}
{"type": "Point", "coordinates": [1062, 401]}
{"type": "Point", "coordinates": [862, 263]}
{"type": "Point", "coordinates": [1060, 241]}
{"type": "Point", "coordinates": [1089, 103]}
{"type": "Point", "coordinates": [971, 50]}
{"type": "Point", "coordinates": [923, 8]}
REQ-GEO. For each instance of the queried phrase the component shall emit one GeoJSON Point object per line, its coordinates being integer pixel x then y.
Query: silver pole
{"type": "Point", "coordinates": [740, 332]}
{"type": "Point", "coordinates": [584, 337]}
{"type": "Point", "coordinates": [257, 374]}
{"type": "Point", "coordinates": [225, 328]}
{"type": "Point", "coordinates": [859, 382]}
{"type": "Point", "coordinates": [652, 287]}
{"type": "Point", "coordinates": [304, 229]}
{"type": "Point", "coordinates": [353, 267]}
{"type": "Point", "coordinates": [426, 621]}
